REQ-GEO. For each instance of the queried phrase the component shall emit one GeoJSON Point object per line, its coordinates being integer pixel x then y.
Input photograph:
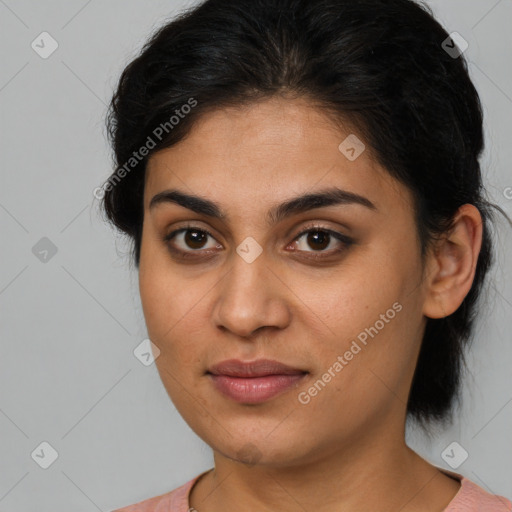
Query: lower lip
{"type": "Point", "coordinates": [254, 390]}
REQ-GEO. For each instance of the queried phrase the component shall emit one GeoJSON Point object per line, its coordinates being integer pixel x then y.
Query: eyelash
{"type": "Point", "coordinates": [345, 240]}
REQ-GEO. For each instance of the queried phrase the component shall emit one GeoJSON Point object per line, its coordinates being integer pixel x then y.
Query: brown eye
{"type": "Point", "coordinates": [317, 240]}
{"type": "Point", "coordinates": [195, 239]}
{"type": "Point", "coordinates": [189, 240]}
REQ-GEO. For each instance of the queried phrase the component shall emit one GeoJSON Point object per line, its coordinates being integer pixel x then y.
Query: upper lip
{"type": "Point", "coordinates": [258, 368]}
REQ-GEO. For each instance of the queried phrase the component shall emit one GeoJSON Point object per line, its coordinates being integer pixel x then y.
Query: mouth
{"type": "Point", "coordinates": [256, 381]}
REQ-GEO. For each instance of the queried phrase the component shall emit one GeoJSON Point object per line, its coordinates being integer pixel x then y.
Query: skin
{"type": "Point", "coordinates": [345, 449]}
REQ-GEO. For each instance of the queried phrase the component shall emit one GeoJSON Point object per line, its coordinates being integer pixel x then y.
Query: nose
{"type": "Point", "coordinates": [251, 297]}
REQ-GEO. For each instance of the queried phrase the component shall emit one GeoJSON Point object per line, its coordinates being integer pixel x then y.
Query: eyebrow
{"type": "Point", "coordinates": [293, 206]}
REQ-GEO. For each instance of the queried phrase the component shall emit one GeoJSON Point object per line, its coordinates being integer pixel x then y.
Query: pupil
{"type": "Point", "coordinates": [319, 237]}
{"type": "Point", "coordinates": [195, 239]}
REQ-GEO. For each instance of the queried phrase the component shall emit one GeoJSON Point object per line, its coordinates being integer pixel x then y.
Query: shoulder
{"type": "Point", "coordinates": [173, 501]}
{"type": "Point", "coordinates": [473, 498]}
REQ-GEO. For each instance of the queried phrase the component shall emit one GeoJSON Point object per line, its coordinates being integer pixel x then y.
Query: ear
{"type": "Point", "coordinates": [452, 264]}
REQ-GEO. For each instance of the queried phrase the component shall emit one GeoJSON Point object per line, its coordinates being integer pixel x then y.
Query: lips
{"type": "Point", "coordinates": [254, 382]}
{"type": "Point", "coordinates": [258, 368]}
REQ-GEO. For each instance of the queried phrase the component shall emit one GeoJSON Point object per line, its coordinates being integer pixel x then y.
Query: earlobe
{"type": "Point", "coordinates": [454, 260]}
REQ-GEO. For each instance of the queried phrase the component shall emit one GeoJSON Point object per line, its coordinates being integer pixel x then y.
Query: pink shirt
{"type": "Point", "coordinates": [469, 498]}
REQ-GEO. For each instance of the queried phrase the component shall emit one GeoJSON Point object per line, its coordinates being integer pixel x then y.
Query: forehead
{"type": "Point", "coordinates": [266, 151]}
{"type": "Point", "coordinates": [286, 129]}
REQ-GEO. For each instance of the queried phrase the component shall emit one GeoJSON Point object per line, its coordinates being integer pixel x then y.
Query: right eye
{"type": "Point", "coordinates": [188, 240]}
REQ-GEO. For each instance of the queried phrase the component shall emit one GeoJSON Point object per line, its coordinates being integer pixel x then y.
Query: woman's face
{"type": "Point", "coordinates": [346, 314]}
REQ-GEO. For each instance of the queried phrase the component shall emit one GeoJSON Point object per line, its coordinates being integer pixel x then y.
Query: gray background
{"type": "Point", "coordinates": [69, 325]}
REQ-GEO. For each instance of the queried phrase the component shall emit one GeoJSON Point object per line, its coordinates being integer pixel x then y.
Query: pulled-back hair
{"type": "Point", "coordinates": [380, 64]}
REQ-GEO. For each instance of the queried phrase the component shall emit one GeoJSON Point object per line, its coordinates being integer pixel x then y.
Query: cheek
{"type": "Point", "coordinates": [169, 309]}
{"type": "Point", "coordinates": [367, 315]}
{"type": "Point", "coordinates": [346, 300]}
{"type": "Point", "coordinates": [175, 315]}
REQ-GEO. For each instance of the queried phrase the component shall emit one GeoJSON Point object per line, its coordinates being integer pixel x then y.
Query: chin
{"type": "Point", "coordinates": [259, 450]}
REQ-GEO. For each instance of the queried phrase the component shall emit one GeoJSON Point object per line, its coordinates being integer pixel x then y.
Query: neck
{"type": "Point", "coordinates": [374, 472]}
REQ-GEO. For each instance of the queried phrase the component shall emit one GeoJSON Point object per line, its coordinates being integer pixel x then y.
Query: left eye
{"type": "Point", "coordinates": [320, 240]}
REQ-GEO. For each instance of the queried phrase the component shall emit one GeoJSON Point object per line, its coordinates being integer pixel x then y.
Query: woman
{"type": "Point", "coordinates": [301, 184]}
